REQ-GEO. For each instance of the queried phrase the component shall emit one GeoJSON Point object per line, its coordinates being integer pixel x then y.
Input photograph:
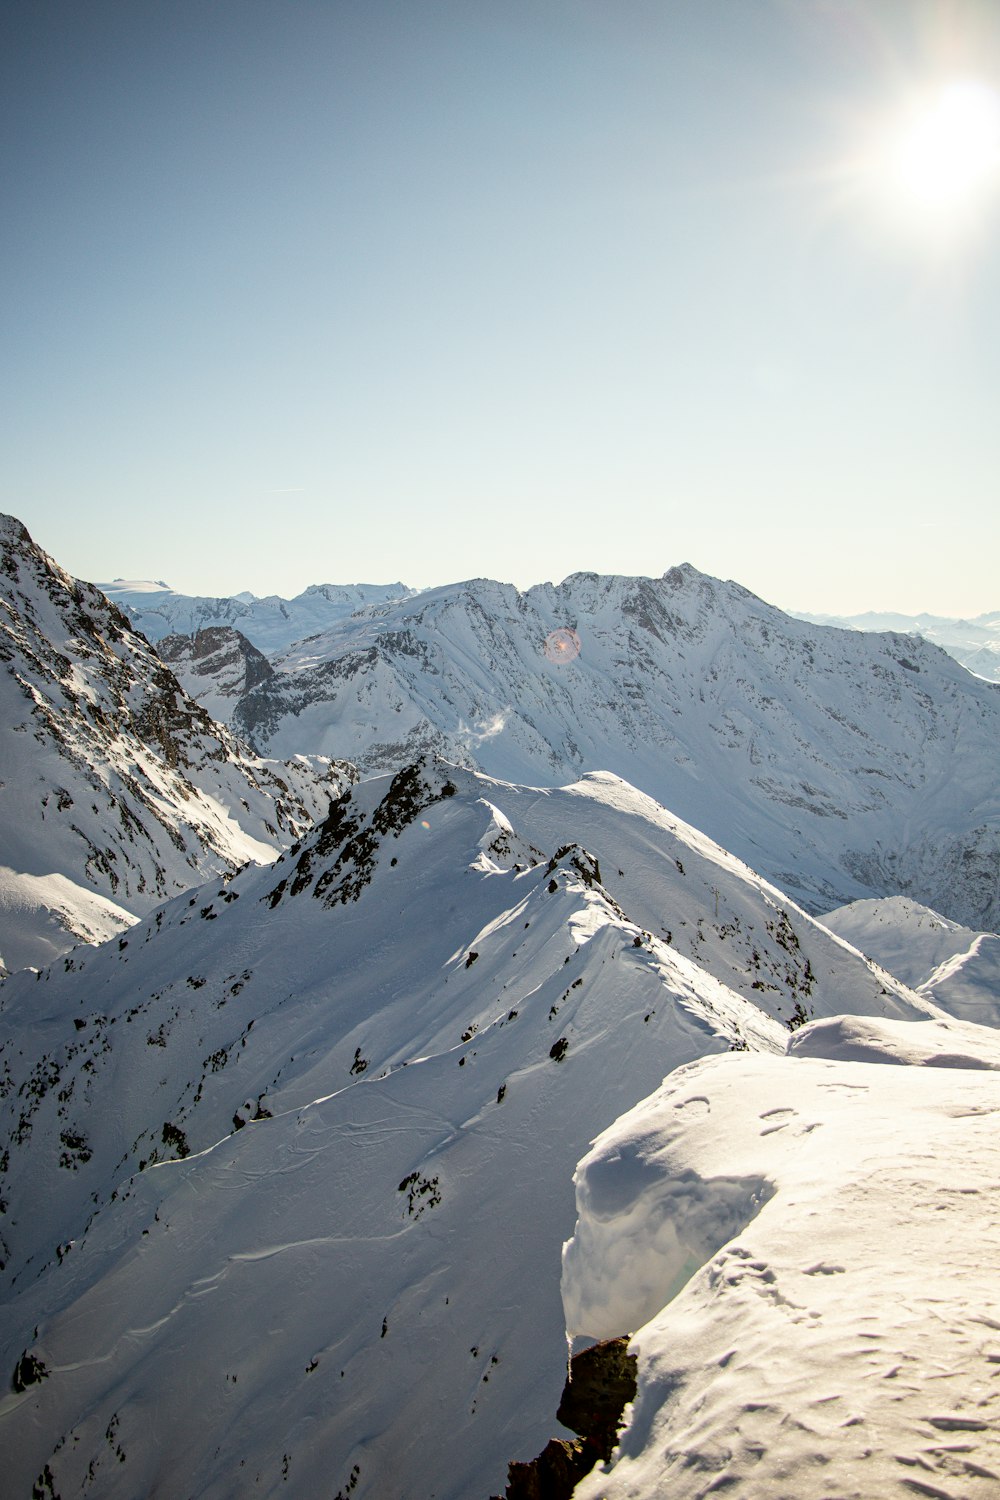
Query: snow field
{"type": "Point", "coordinates": [822, 1238]}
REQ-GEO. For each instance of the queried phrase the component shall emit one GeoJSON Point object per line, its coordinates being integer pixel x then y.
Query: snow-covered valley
{"type": "Point", "coordinates": [288, 1162]}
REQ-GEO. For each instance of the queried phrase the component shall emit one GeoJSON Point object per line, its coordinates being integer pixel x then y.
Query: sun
{"type": "Point", "coordinates": [942, 158]}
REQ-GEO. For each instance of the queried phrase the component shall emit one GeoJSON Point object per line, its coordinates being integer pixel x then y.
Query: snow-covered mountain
{"type": "Point", "coordinates": [955, 967]}
{"type": "Point", "coordinates": [289, 1166]}
{"type": "Point", "coordinates": [116, 789]}
{"type": "Point", "coordinates": [975, 643]}
{"type": "Point", "coordinates": [841, 764]}
{"type": "Point", "coordinates": [805, 1249]}
{"type": "Point", "coordinates": [271, 624]}
{"type": "Point", "coordinates": [217, 666]}
{"type": "Point", "coordinates": [286, 1168]}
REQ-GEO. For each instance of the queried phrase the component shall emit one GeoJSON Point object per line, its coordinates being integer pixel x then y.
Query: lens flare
{"type": "Point", "coordinates": [562, 645]}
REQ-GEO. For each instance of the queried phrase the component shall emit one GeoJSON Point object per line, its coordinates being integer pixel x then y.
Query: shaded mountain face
{"type": "Point", "coordinates": [271, 624]}
{"type": "Point", "coordinates": [217, 666]}
{"type": "Point", "coordinates": [116, 789]}
{"type": "Point", "coordinates": [289, 1166]}
{"type": "Point", "coordinates": [838, 763]}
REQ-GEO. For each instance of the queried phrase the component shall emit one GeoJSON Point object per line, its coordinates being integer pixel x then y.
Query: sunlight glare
{"type": "Point", "coordinates": [945, 156]}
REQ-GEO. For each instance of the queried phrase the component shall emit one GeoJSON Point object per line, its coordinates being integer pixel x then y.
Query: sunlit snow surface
{"type": "Point", "coordinates": [386, 1055]}
{"type": "Point", "coordinates": [952, 965]}
{"type": "Point", "coordinates": [39, 914]}
{"type": "Point", "coordinates": [829, 1234]}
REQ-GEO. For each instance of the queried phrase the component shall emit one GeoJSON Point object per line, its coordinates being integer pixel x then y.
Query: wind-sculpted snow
{"type": "Point", "coordinates": [290, 1165]}
{"type": "Point", "coordinates": [116, 789]}
{"type": "Point", "coordinates": [805, 1250]}
{"type": "Point", "coordinates": [935, 1043]}
{"type": "Point", "coordinates": [840, 764]}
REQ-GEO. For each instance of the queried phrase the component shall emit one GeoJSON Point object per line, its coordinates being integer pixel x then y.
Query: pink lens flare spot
{"type": "Point", "coordinates": [562, 645]}
{"type": "Point", "coordinates": [424, 823]}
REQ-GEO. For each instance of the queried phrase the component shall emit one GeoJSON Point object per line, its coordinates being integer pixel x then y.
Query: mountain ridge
{"type": "Point", "coordinates": [339, 1099]}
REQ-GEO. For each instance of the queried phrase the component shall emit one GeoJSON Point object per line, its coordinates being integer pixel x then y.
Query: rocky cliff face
{"type": "Point", "coordinates": [116, 789]}
{"type": "Point", "coordinates": [217, 666]}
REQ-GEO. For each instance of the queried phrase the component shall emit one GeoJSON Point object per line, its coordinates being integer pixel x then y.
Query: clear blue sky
{"type": "Point", "coordinates": [424, 289]}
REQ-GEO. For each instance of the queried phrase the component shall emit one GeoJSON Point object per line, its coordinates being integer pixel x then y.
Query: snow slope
{"type": "Point", "coordinates": [290, 1165]}
{"type": "Point", "coordinates": [116, 789]}
{"type": "Point", "coordinates": [43, 915]}
{"type": "Point", "coordinates": [975, 643]}
{"type": "Point", "coordinates": [272, 623]}
{"type": "Point", "coordinates": [955, 967]}
{"type": "Point", "coordinates": [840, 764]}
{"type": "Point", "coordinates": [807, 1250]}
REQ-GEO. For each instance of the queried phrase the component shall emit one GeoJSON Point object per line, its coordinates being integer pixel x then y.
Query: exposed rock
{"type": "Point", "coordinates": [601, 1383]}
{"type": "Point", "coordinates": [215, 663]}
{"type": "Point", "coordinates": [553, 1475]}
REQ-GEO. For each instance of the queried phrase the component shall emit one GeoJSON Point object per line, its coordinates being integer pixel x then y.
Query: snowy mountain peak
{"type": "Point", "coordinates": [341, 856]}
{"type": "Point", "coordinates": [116, 788]}
{"type": "Point", "coordinates": [839, 764]}
{"type": "Point", "coordinates": [217, 666]}
{"type": "Point", "coordinates": [13, 531]}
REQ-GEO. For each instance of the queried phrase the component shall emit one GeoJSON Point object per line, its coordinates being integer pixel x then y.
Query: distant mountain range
{"type": "Point", "coordinates": [272, 624]}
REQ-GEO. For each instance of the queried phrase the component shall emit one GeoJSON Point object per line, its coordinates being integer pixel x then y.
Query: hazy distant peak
{"type": "Point", "coordinates": [135, 586]}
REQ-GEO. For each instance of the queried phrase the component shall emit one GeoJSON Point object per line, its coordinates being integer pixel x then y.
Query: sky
{"type": "Point", "coordinates": [422, 290]}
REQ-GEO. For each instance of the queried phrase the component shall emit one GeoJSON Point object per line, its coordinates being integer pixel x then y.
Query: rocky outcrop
{"type": "Point", "coordinates": [215, 662]}
{"type": "Point", "coordinates": [600, 1384]}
